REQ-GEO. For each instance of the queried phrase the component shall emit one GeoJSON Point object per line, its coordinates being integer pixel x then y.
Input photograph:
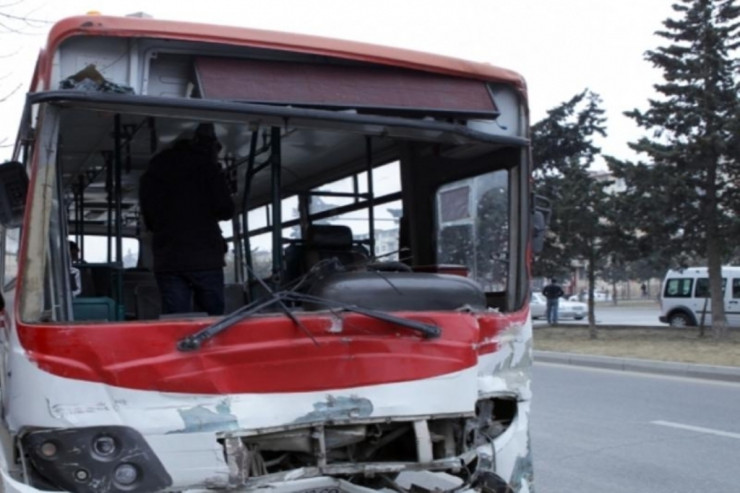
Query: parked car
{"type": "Point", "coordinates": [566, 309]}
{"type": "Point", "coordinates": [598, 296]}
{"type": "Point", "coordinates": [684, 299]}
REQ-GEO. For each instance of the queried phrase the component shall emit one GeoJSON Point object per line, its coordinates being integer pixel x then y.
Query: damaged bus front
{"type": "Point", "coordinates": [376, 335]}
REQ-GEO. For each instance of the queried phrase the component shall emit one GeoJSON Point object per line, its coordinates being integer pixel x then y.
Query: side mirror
{"type": "Point", "coordinates": [13, 190]}
{"type": "Point", "coordinates": [540, 218]}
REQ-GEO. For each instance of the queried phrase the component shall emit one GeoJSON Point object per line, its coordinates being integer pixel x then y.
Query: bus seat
{"type": "Point", "coordinates": [94, 308]}
{"type": "Point", "coordinates": [326, 241]}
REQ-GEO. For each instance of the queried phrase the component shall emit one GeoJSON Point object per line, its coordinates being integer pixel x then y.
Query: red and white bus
{"type": "Point", "coordinates": [377, 334]}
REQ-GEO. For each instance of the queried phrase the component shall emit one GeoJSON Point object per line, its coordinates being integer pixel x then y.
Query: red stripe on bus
{"type": "Point", "coordinates": [262, 354]}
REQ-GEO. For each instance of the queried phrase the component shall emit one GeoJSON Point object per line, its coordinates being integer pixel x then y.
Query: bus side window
{"type": "Point", "coordinates": [473, 227]}
{"type": "Point", "coordinates": [456, 244]}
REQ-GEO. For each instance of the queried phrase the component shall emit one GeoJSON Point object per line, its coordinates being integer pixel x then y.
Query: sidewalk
{"type": "Point", "coordinates": [723, 373]}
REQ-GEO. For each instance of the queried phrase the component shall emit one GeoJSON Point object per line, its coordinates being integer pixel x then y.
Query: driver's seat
{"type": "Point", "coordinates": [326, 241]}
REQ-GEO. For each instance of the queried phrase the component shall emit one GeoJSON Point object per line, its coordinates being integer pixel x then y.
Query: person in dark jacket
{"type": "Point", "coordinates": [183, 195]}
{"type": "Point", "coordinates": [553, 292]}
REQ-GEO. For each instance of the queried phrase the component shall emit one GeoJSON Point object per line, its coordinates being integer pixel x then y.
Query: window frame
{"type": "Point", "coordinates": [679, 281]}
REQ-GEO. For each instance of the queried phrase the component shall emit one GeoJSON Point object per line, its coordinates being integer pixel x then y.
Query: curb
{"type": "Point", "coordinates": [710, 372]}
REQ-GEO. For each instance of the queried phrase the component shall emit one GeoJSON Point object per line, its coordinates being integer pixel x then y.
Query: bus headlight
{"type": "Point", "coordinates": [89, 460]}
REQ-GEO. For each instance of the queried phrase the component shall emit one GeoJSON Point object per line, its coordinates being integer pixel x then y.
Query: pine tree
{"type": "Point", "coordinates": [563, 151]}
{"type": "Point", "coordinates": [687, 192]}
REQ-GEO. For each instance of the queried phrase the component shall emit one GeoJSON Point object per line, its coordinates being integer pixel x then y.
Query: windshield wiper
{"type": "Point", "coordinates": [427, 330]}
{"type": "Point", "coordinates": [195, 341]}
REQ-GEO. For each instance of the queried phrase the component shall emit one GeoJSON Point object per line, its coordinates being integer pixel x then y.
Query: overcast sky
{"type": "Point", "coordinates": [560, 46]}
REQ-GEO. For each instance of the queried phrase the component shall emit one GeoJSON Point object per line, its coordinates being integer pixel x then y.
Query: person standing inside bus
{"type": "Point", "coordinates": [553, 292]}
{"type": "Point", "coordinates": [75, 276]}
{"type": "Point", "coordinates": [183, 195]}
{"type": "Point", "coordinates": [74, 253]}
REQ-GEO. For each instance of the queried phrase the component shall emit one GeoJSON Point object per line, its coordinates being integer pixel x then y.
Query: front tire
{"type": "Point", "coordinates": [680, 320]}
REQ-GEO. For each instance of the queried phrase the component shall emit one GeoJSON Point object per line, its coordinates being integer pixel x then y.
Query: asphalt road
{"type": "Point", "coordinates": [613, 432]}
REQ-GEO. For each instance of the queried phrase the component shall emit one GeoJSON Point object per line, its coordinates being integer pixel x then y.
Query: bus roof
{"type": "Point", "coordinates": [137, 27]}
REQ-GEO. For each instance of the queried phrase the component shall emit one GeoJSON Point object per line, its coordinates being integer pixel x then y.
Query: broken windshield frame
{"type": "Point", "coordinates": [207, 109]}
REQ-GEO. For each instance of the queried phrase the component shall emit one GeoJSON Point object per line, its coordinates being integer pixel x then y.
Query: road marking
{"type": "Point", "coordinates": [698, 429]}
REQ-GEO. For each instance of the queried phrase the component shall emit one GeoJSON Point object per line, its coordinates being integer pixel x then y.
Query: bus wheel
{"type": "Point", "coordinates": [679, 319]}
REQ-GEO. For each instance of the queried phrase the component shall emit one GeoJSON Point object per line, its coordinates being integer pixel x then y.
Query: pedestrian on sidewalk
{"type": "Point", "coordinates": [553, 292]}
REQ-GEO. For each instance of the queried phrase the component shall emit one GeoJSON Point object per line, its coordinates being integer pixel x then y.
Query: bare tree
{"type": "Point", "coordinates": [15, 22]}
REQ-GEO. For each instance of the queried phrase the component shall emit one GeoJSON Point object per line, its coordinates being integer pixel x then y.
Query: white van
{"type": "Point", "coordinates": [685, 297]}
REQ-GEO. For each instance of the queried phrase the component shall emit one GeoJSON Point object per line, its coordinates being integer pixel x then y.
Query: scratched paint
{"type": "Point", "coordinates": [508, 372]}
{"type": "Point", "coordinates": [338, 408]}
{"type": "Point", "coordinates": [336, 325]}
{"type": "Point", "coordinates": [522, 477]}
{"type": "Point", "coordinates": [200, 418]}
